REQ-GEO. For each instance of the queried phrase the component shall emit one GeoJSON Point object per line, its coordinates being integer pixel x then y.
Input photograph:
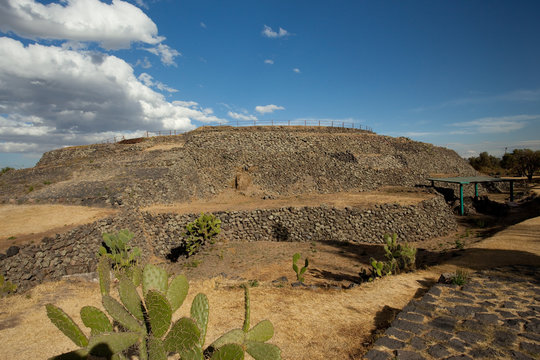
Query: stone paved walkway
{"type": "Point", "coordinates": [496, 315]}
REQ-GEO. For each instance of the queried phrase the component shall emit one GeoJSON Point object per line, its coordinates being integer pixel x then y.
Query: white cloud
{"type": "Point", "coordinates": [166, 53]}
{"type": "Point", "coordinates": [144, 63]}
{"type": "Point", "coordinates": [141, 3]}
{"type": "Point", "coordinates": [269, 61]}
{"type": "Point", "coordinates": [495, 148]}
{"type": "Point", "coordinates": [238, 116]}
{"type": "Point", "coordinates": [296, 70]}
{"type": "Point", "coordinates": [264, 109]}
{"type": "Point", "coordinates": [519, 96]}
{"type": "Point", "coordinates": [113, 26]}
{"type": "Point", "coordinates": [269, 33]}
{"type": "Point", "coordinates": [148, 80]}
{"type": "Point", "coordinates": [203, 25]}
{"type": "Point", "coordinates": [494, 125]}
{"type": "Point", "coordinates": [17, 147]}
{"type": "Point", "coordinates": [51, 96]}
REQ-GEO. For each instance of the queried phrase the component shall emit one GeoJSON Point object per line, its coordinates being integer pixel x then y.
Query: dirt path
{"type": "Point", "coordinates": [310, 324]}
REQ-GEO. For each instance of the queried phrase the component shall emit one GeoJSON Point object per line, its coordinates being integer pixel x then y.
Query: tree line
{"type": "Point", "coordinates": [520, 162]}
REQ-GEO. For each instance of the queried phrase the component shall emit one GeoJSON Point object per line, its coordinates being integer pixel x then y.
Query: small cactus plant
{"type": "Point", "coordinates": [200, 231]}
{"type": "Point", "coordinates": [399, 258]}
{"type": "Point", "coordinates": [402, 257]}
{"type": "Point", "coordinates": [116, 247]}
{"type": "Point", "coordinates": [299, 272]}
{"type": "Point", "coordinates": [147, 323]}
{"type": "Point", "coordinates": [253, 340]}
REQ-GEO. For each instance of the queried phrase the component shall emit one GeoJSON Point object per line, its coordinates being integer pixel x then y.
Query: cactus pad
{"type": "Point", "coordinates": [262, 332]}
{"type": "Point", "coordinates": [262, 351]}
{"type": "Point", "coordinates": [154, 278]}
{"type": "Point", "coordinates": [66, 325]}
{"type": "Point", "coordinates": [104, 272]}
{"type": "Point", "coordinates": [199, 313]}
{"type": "Point", "coordinates": [96, 320]}
{"type": "Point", "coordinates": [111, 343]}
{"type": "Point", "coordinates": [130, 298]}
{"type": "Point", "coordinates": [229, 352]}
{"type": "Point", "coordinates": [120, 314]}
{"type": "Point", "coordinates": [177, 291]}
{"type": "Point", "coordinates": [235, 336]}
{"type": "Point", "coordinates": [159, 312]}
{"type": "Point", "coordinates": [183, 336]}
{"type": "Point", "coordinates": [156, 350]}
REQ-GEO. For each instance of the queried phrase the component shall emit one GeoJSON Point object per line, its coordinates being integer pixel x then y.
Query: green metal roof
{"type": "Point", "coordinates": [469, 179]}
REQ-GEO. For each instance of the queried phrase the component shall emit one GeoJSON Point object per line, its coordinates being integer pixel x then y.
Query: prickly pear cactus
{"type": "Point", "coordinates": [147, 321]}
{"type": "Point", "coordinates": [200, 231]}
{"type": "Point", "coordinates": [253, 340]}
{"type": "Point", "coordinates": [116, 248]}
{"type": "Point", "coordinates": [299, 272]}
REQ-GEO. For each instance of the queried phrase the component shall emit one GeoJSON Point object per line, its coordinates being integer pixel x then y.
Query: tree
{"type": "Point", "coordinates": [524, 162]}
{"type": "Point", "coordinates": [485, 163]}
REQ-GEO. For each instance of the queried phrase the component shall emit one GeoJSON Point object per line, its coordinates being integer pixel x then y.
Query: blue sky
{"type": "Point", "coordinates": [460, 74]}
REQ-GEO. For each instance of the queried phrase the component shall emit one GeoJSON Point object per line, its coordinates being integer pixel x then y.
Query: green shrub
{"type": "Point", "coordinates": [459, 244]}
{"type": "Point", "coordinates": [5, 170]}
{"type": "Point", "coordinates": [299, 272]}
{"type": "Point", "coordinates": [399, 257]}
{"type": "Point", "coordinates": [6, 287]}
{"type": "Point", "coordinates": [145, 324]}
{"type": "Point", "coordinates": [123, 256]}
{"type": "Point", "coordinates": [200, 231]}
{"type": "Point", "coordinates": [461, 277]}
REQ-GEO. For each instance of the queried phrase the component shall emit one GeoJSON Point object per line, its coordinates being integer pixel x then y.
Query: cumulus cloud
{"type": "Point", "coordinates": [114, 25]}
{"type": "Point", "coordinates": [494, 125]}
{"type": "Point", "coordinates": [166, 53]}
{"type": "Point", "coordinates": [269, 61]}
{"type": "Point", "coordinates": [238, 116]}
{"type": "Point", "coordinates": [296, 70]}
{"type": "Point", "coordinates": [52, 96]}
{"type": "Point", "coordinates": [264, 109]}
{"type": "Point", "coordinates": [144, 63]}
{"type": "Point", "coordinates": [148, 80]}
{"type": "Point", "coordinates": [269, 33]}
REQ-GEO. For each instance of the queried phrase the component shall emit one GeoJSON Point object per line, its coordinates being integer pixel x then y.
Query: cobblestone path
{"type": "Point", "coordinates": [496, 315]}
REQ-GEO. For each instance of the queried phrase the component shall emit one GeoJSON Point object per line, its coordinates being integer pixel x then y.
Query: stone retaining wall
{"type": "Point", "coordinates": [157, 234]}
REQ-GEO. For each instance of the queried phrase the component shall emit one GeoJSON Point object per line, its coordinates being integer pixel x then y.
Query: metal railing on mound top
{"type": "Point", "coordinates": [245, 123]}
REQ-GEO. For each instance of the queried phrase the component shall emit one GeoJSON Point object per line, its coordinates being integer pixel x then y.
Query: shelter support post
{"type": "Point", "coordinates": [476, 190]}
{"type": "Point", "coordinates": [511, 190]}
{"type": "Point", "coordinates": [461, 199]}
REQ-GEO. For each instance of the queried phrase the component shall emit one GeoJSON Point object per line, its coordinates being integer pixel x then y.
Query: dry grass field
{"type": "Point", "coordinates": [322, 323]}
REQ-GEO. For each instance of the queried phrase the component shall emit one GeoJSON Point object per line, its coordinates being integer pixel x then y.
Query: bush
{"type": "Point", "coordinates": [400, 257]}
{"type": "Point", "coordinates": [200, 231]}
{"type": "Point", "coordinates": [116, 248]}
{"type": "Point", "coordinates": [6, 287]}
{"type": "Point", "coordinates": [461, 277]}
{"type": "Point", "coordinates": [5, 170]}
{"type": "Point", "coordinates": [146, 323]}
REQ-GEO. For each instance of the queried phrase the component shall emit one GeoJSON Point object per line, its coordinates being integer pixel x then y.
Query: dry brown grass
{"type": "Point", "coordinates": [33, 222]}
{"type": "Point", "coordinates": [233, 201]}
{"type": "Point", "coordinates": [310, 324]}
